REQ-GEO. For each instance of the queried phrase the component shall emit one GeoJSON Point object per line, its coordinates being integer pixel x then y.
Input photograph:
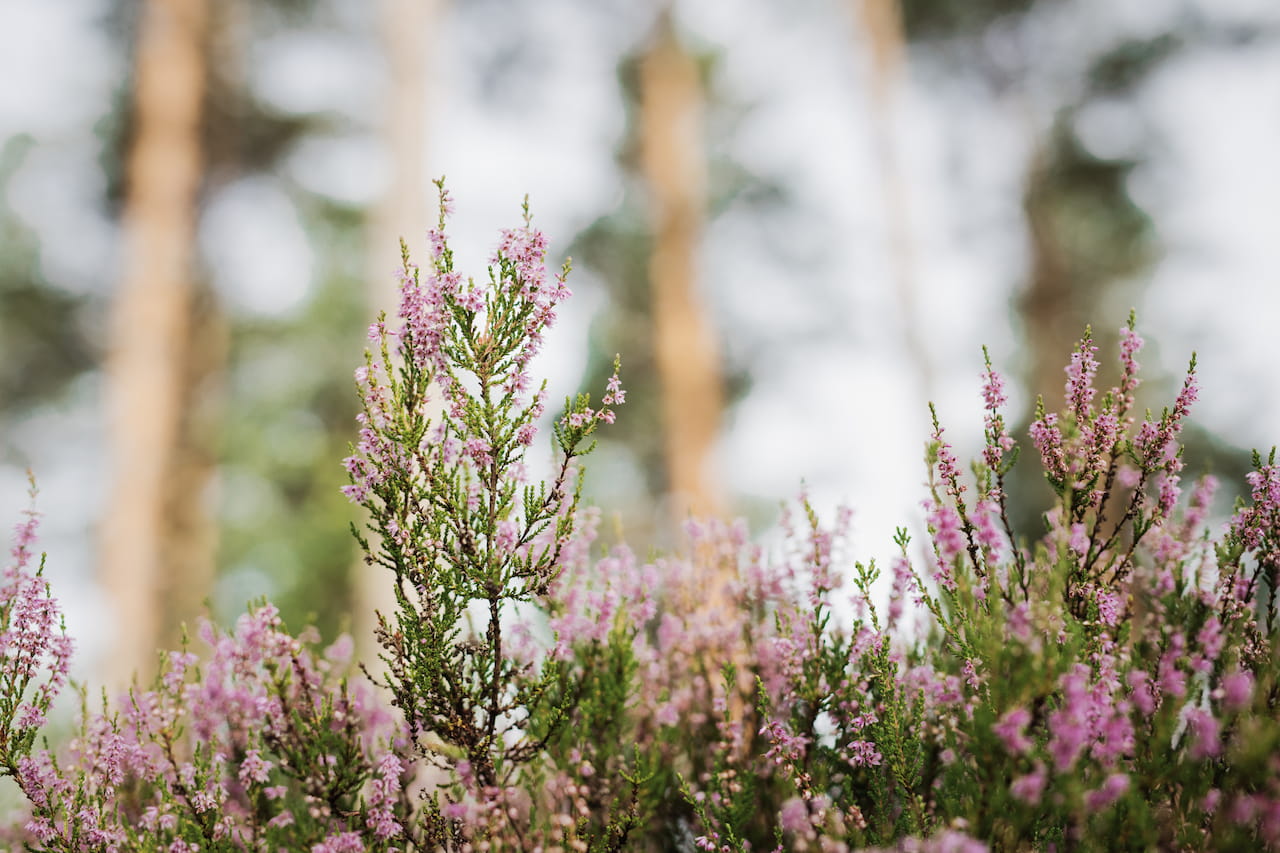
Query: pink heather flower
{"type": "Point", "coordinates": [1145, 442]}
{"type": "Point", "coordinates": [30, 716]}
{"type": "Point", "coordinates": [446, 201]}
{"type": "Point", "coordinates": [341, 650]}
{"type": "Point", "coordinates": [1112, 789]}
{"type": "Point", "coordinates": [793, 817]}
{"type": "Point", "coordinates": [971, 674]}
{"type": "Point", "coordinates": [1128, 476]}
{"type": "Point", "coordinates": [438, 243]}
{"type": "Point", "coordinates": [472, 299]}
{"type": "Point", "coordinates": [1156, 444]}
{"type": "Point", "coordinates": [24, 537]}
{"type": "Point", "coordinates": [33, 646]}
{"type": "Point", "coordinates": [863, 753]}
{"type": "Point", "coordinates": [1104, 433]}
{"type": "Point", "coordinates": [1211, 639]}
{"type": "Point", "coordinates": [1079, 541]}
{"type": "Point", "coordinates": [506, 535]}
{"type": "Point", "coordinates": [987, 532]}
{"type": "Point", "coordinates": [1011, 727]}
{"type": "Point", "coordinates": [1019, 624]}
{"type": "Point", "coordinates": [1110, 607]}
{"type": "Point", "coordinates": [904, 582]}
{"type": "Point", "coordinates": [1030, 788]}
{"type": "Point", "coordinates": [1245, 808]}
{"type": "Point", "coordinates": [1080, 374]}
{"type": "Point", "coordinates": [1047, 437]}
{"type": "Point", "coordinates": [1130, 344]}
{"type": "Point", "coordinates": [1114, 730]}
{"type": "Point", "coordinates": [1201, 502]}
{"type": "Point", "coordinates": [517, 382]}
{"type": "Point", "coordinates": [1169, 489]}
{"type": "Point", "coordinates": [1188, 395]}
{"type": "Point", "coordinates": [340, 842]}
{"type": "Point", "coordinates": [383, 793]}
{"type": "Point", "coordinates": [1237, 690]}
{"type": "Point", "coordinates": [948, 470]}
{"type": "Point", "coordinates": [1087, 717]}
{"type": "Point", "coordinates": [710, 841]}
{"type": "Point", "coordinates": [1204, 730]}
{"type": "Point", "coordinates": [948, 535]}
{"type": "Point", "coordinates": [1173, 680]}
{"type": "Point", "coordinates": [666, 714]}
{"type": "Point", "coordinates": [785, 746]}
{"type": "Point", "coordinates": [993, 395]}
{"type": "Point", "coordinates": [946, 841]}
{"type": "Point", "coordinates": [479, 451]}
{"type": "Point", "coordinates": [253, 768]}
{"type": "Point", "coordinates": [1251, 523]}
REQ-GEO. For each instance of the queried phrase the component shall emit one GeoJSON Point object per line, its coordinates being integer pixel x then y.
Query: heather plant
{"type": "Point", "coordinates": [263, 745]}
{"type": "Point", "coordinates": [1109, 685]}
{"type": "Point", "coordinates": [1108, 682]}
{"type": "Point", "coordinates": [448, 414]}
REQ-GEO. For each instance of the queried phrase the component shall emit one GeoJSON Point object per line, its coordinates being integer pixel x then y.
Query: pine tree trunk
{"type": "Point", "coordinates": [152, 507]}
{"type": "Point", "coordinates": [685, 346]}
{"type": "Point", "coordinates": [1048, 304]}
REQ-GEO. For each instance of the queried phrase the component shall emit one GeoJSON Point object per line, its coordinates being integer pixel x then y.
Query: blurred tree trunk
{"type": "Point", "coordinates": [408, 28]}
{"type": "Point", "coordinates": [155, 539]}
{"type": "Point", "coordinates": [881, 23]}
{"type": "Point", "coordinates": [1048, 304]}
{"type": "Point", "coordinates": [686, 351]}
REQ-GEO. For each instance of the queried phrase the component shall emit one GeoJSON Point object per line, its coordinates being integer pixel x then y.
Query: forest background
{"type": "Point", "coordinates": [797, 222]}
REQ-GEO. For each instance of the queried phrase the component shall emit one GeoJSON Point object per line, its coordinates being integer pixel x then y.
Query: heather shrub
{"type": "Point", "coordinates": [1108, 683]}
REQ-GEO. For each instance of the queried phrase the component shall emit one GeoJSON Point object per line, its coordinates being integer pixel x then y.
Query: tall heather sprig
{"type": "Point", "coordinates": [447, 418]}
{"type": "Point", "coordinates": [35, 651]}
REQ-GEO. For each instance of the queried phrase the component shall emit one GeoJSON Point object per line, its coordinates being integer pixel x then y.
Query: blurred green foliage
{"type": "Point", "coordinates": [44, 343]}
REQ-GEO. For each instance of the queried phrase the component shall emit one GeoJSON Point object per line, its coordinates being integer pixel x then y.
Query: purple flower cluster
{"type": "Point", "coordinates": [263, 740]}
{"type": "Point", "coordinates": [35, 652]}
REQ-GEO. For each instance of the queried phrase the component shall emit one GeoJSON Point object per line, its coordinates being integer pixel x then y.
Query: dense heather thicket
{"type": "Point", "coordinates": [1111, 684]}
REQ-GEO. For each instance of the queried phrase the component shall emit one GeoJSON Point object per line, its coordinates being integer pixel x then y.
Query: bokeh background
{"type": "Point", "coordinates": [797, 222]}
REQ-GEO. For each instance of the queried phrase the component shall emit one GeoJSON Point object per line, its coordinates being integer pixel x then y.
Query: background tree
{"type": "Point", "coordinates": [154, 547]}
{"type": "Point", "coordinates": [686, 351]}
{"type": "Point", "coordinates": [678, 179]}
{"type": "Point", "coordinates": [1092, 245]}
{"type": "Point", "coordinates": [44, 343]}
